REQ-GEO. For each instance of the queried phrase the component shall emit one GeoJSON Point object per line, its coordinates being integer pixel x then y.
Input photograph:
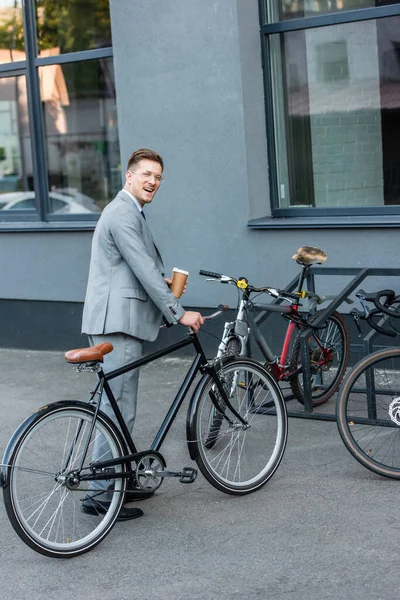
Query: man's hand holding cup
{"type": "Point", "coordinates": [177, 285]}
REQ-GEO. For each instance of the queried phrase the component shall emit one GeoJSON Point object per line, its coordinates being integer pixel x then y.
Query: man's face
{"type": "Point", "coordinates": [141, 180]}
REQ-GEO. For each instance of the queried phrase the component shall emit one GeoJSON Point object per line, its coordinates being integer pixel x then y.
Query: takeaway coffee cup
{"type": "Point", "coordinates": [179, 279]}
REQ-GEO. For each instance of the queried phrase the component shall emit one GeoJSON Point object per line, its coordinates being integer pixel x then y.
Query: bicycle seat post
{"type": "Point", "coordinates": [302, 276]}
{"type": "Point", "coordinates": [306, 257]}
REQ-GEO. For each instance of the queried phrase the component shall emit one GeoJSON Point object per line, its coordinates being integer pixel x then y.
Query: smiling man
{"type": "Point", "coordinates": [127, 296]}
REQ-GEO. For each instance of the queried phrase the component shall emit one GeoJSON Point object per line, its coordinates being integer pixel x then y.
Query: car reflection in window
{"type": "Point", "coordinates": [63, 201]}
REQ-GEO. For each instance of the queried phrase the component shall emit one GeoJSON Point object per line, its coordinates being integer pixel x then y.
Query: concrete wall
{"type": "Point", "coordinates": [47, 266]}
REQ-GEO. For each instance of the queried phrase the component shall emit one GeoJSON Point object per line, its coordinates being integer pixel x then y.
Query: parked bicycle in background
{"type": "Point", "coordinates": [329, 343]}
{"type": "Point", "coordinates": [368, 403]}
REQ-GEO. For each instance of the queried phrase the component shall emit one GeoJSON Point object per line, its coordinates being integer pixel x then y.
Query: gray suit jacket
{"type": "Point", "coordinates": [126, 291]}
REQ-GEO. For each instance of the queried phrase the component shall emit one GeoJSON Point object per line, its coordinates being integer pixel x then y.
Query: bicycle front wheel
{"type": "Point", "coordinates": [44, 495]}
{"type": "Point", "coordinates": [243, 457]}
{"type": "Point", "coordinates": [329, 349]}
{"type": "Point", "coordinates": [368, 412]}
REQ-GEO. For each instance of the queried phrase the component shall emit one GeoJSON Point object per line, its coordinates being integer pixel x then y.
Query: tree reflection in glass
{"type": "Point", "coordinates": [12, 46]}
{"type": "Point", "coordinates": [72, 25]}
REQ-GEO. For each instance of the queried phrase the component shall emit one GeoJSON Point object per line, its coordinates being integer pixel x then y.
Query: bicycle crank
{"type": "Point", "coordinates": [150, 472]}
{"type": "Point", "coordinates": [187, 475]}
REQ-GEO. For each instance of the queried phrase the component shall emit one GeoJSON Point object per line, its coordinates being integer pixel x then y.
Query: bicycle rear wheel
{"type": "Point", "coordinates": [242, 457]}
{"type": "Point", "coordinates": [368, 412]}
{"type": "Point", "coordinates": [329, 349]}
{"type": "Point", "coordinates": [43, 496]}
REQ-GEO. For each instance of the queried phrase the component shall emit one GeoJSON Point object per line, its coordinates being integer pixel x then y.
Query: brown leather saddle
{"type": "Point", "coordinates": [91, 354]}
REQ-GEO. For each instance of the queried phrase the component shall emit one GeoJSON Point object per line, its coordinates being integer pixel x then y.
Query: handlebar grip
{"type": "Point", "coordinates": [210, 274]}
{"type": "Point", "coordinates": [223, 307]}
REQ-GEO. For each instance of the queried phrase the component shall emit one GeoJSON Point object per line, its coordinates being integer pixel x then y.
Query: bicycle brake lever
{"type": "Point", "coordinates": [223, 279]}
{"type": "Point", "coordinates": [355, 313]}
{"type": "Point", "coordinates": [356, 319]}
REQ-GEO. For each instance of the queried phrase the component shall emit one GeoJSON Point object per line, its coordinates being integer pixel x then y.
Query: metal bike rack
{"type": "Point", "coordinates": [358, 274]}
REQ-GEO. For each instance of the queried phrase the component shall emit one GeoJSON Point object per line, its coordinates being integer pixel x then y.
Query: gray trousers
{"type": "Point", "coordinates": [124, 388]}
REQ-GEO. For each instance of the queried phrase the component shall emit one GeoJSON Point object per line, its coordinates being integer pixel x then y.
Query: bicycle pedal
{"type": "Point", "coordinates": [188, 475]}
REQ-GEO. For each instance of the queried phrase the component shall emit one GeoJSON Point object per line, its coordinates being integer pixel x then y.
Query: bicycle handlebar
{"type": "Point", "coordinates": [377, 327]}
{"type": "Point", "coordinates": [381, 308]}
{"type": "Point", "coordinates": [375, 298]}
{"type": "Point", "coordinates": [386, 307]}
{"type": "Point", "coordinates": [274, 292]}
{"type": "Point", "coordinates": [221, 309]}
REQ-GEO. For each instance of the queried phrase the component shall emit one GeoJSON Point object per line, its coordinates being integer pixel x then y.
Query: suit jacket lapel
{"type": "Point", "coordinates": [145, 225]}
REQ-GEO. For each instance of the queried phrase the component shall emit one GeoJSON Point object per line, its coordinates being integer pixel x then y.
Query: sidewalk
{"type": "Point", "coordinates": [322, 528]}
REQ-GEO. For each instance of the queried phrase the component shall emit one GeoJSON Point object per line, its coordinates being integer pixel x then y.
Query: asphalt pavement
{"type": "Point", "coordinates": [323, 527]}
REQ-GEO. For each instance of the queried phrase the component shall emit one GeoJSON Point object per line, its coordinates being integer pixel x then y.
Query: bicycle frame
{"type": "Point", "coordinates": [245, 323]}
{"type": "Point", "coordinates": [199, 364]}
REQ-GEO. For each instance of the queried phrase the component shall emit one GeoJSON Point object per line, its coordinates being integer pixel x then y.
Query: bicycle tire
{"type": "Point", "coordinates": [327, 372]}
{"type": "Point", "coordinates": [233, 347]}
{"type": "Point", "coordinates": [46, 513]}
{"type": "Point", "coordinates": [242, 459]}
{"type": "Point", "coordinates": [368, 421]}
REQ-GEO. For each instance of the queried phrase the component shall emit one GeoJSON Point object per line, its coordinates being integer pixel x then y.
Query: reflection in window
{"type": "Point", "coordinates": [81, 135]}
{"type": "Point", "coordinates": [72, 25]}
{"type": "Point", "coordinates": [282, 10]}
{"type": "Point", "coordinates": [12, 47]}
{"type": "Point", "coordinates": [337, 114]}
{"type": "Point", "coordinates": [16, 178]}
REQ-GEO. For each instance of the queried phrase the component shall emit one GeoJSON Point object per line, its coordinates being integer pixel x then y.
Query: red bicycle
{"type": "Point", "coordinates": [328, 344]}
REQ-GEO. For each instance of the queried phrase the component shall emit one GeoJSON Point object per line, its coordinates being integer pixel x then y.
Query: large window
{"type": "Point", "coordinates": [59, 151]}
{"type": "Point", "coordinates": [334, 84]}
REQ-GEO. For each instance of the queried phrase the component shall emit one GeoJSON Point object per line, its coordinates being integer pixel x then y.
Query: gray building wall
{"type": "Point", "coordinates": [189, 84]}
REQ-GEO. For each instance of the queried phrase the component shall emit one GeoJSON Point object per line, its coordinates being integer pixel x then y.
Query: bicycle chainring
{"type": "Point", "coordinates": [147, 478]}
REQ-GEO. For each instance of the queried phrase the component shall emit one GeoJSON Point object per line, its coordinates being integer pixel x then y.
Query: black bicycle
{"type": "Point", "coordinates": [48, 468]}
{"type": "Point", "coordinates": [368, 403]}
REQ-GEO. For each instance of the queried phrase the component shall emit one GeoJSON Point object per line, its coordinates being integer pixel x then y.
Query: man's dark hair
{"type": "Point", "coordinates": [142, 154]}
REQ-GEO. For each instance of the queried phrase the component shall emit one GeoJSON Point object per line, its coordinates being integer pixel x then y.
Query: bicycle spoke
{"type": "Point", "coordinates": [46, 506]}
{"type": "Point", "coordinates": [365, 417]}
{"type": "Point", "coordinates": [242, 455]}
{"type": "Point", "coordinates": [328, 349]}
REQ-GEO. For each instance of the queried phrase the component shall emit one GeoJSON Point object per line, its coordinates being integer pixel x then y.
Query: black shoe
{"type": "Point", "coordinates": [135, 495]}
{"type": "Point", "coordinates": [131, 495]}
{"type": "Point", "coordinates": [91, 506]}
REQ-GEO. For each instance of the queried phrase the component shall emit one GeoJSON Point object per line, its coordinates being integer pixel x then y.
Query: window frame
{"type": "Point", "coordinates": [311, 216]}
{"type": "Point", "coordinates": [41, 218]}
